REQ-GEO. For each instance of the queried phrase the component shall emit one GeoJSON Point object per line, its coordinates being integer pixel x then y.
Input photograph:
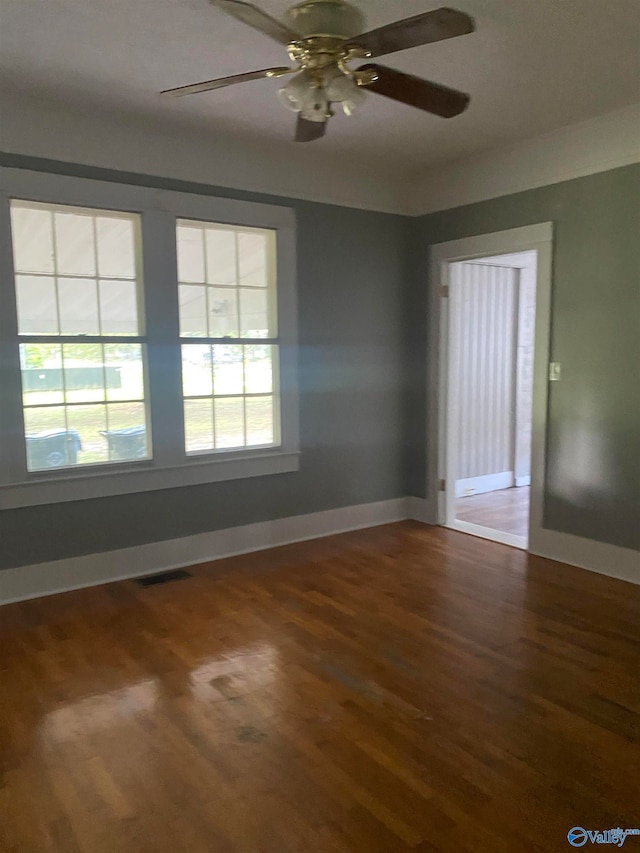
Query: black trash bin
{"type": "Point", "coordinates": [129, 443]}
{"type": "Point", "coordinates": [52, 449]}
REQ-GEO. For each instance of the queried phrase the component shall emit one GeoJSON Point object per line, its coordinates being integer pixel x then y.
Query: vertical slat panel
{"type": "Point", "coordinates": [486, 302]}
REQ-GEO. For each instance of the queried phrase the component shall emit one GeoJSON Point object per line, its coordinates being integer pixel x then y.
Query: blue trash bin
{"type": "Point", "coordinates": [52, 449]}
{"type": "Point", "coordinates": [129, 443]}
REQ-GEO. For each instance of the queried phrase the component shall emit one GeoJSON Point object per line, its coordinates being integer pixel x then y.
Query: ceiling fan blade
{"type": "Point", "coordinates": [256, 18]}
{"type": "Point", "coordinates": [411, 32]}
{"type": "Point", "coordinates": [422, 94]}
{"type": "Point", "coordinates": [221, 82]}
{"type": "Point", "coordinates": [308, 131]}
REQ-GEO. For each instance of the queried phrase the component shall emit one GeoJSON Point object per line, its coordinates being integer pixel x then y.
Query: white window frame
{"type": "Point", "coordinates": [170, 466]}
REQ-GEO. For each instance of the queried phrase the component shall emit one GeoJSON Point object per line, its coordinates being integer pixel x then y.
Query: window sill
{"type": "Point", "coordinates": [73, 486]}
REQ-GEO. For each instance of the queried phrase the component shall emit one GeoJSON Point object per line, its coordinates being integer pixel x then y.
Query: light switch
{"type": "Point", "coordinates": [555, 371]}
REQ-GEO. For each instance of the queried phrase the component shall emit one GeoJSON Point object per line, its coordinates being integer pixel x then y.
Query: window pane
{"type": "Point", "coordinates": [252, 259]}
{"type": "Point", "coordinates": [254, 320]}
{"type": "Point", "coordinates": [61, 241]}
{"type": "Point", "coordinates": [66, 386]}
{"type": "Point", "coordinates": [196, 370]}
{"type": "Point", "coordinates": [78, 306]}
{"type": "Point", "coordinates": [190, 254]}
{"type": "Point", "coordinates": [41, 374]}
{"type": "Point", "coordinates": [75, 253]}
{"type": "Point", "coordinates": [116, 247]}
{"type": "Point", "coordinates": [198, 425]}
{"type": "Point", "coordinates": [227, 369]}
{"type": "Point", "coordinates": [32, 231]}
{"type": "Point", "coordinates": [92, 433]}
{"type": "Point", "coordinates": [259, 420]}
{"type": "Point", "coordinates": [118, 308]}
{"type": "Point", "coordinates": [83, 373]}
{"type": "Point", "coordinates": [49, 445]}
{"type": "Point", "coordinates": [193, 311]}
{"type": "Point", "coordinates": [128, 417]}
{"type": "Point", "coordinates": [37, 308]}
{"type": "Point", "coordinates": [124, 372]}
{"type": "Point", "coordinates": [258, 371]}
{"type": "Point", "coordinates": [126, 435]}
{"type": "Point", "coordinates": [221, 256]}
{"type": "Point", "coordinates": [90, 424]}
{"type": "Point", "coordinates": [229, 418]}
{"type": "Point", "coordinates": [223, 312]}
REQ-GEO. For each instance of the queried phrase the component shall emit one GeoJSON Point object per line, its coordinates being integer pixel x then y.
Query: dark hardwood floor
{"type": "Point", "coordinates": [391, 689]}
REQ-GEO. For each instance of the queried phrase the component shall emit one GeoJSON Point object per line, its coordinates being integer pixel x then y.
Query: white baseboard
{"type": "Point", "coordinates": [523, 481]}
{"type": "Point", "coordinates": [486, 483]}
{"type": "Point", "coordinates": [420, 509]}
{"type": "Point", "coordinates": [610, 560]}
{"type": "Point", "coordinates": [42, 579]}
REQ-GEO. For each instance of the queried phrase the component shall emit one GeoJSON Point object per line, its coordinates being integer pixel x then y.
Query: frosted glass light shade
{"type": "Point", "coordinates": [354, 102]}
{"type": "Point", "coordinates": [315, 105]}
{"type": "Point", "coordinates": [340, 87]}
{"type": "Point", "coordinates": [345, 91]}
{"type": "Point", "coordinates": [292, 95]}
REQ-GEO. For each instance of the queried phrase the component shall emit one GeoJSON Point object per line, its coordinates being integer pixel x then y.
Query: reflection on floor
{"type": "Point", "coordinates": [506, 510]}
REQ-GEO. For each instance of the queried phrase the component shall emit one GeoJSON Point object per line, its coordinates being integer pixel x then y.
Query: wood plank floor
{"type": "Point", "coordinates": [399, 688]}
{"type": "Point", "coordinates": [505, 509]}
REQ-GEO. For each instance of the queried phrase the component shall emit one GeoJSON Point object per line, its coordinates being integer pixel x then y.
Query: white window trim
{"type": "Point", "coordinates": [170, 467]}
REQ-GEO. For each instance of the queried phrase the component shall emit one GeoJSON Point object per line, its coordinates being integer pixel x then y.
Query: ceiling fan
{"type": "Point", "coordinates": [321, 37]}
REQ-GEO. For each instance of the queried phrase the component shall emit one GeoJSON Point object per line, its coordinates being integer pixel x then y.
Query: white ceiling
{"type": "Point", "coordinates": [532, 65]}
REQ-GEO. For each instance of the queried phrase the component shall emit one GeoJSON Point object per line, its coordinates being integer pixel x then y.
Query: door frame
{"type": "Point", "coordinates": [538, 238]}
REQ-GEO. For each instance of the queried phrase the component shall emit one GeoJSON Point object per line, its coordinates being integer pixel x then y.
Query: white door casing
{"type": "Point", "coordinates": [533, 238]}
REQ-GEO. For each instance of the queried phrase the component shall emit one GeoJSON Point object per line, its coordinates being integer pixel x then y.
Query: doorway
{"type": "Point", "coordinates": [490, 301]}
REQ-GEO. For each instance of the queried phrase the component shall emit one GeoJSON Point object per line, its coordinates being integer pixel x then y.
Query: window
{"type": "Point", "coordinates": [78, 291]}
{"type": "Point", "coordinates": [227, 296]}
{"type": "Point", "coordinates": [129, 314]}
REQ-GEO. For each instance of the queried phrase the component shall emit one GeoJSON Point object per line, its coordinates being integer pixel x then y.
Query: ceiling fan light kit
{"type": "Point", "coordinates": [322, 40]}
{"type": "Point", "coordinates": [313, 95]}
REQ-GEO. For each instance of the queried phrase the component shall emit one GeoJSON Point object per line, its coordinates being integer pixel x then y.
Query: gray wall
{"type": "Point", "coordinates": [593, 458]}
{"type": "Point", "coordinates": [351, 277]}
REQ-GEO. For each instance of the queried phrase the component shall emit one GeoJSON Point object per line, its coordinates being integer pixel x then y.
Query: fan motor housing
{"type": "Point", "coordinates": [334, 18]}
